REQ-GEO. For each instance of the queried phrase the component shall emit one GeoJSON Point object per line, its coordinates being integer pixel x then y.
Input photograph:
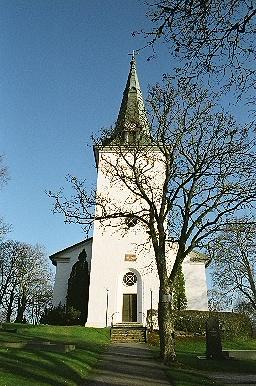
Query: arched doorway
{"type": "Point", "coordinates": [129, 310]}
{"type": "Point", "coordinates": [131, 293]}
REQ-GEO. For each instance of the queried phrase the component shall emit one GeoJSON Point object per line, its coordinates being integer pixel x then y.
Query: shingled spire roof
{"type": "Point", "coordinates": [132, 123]}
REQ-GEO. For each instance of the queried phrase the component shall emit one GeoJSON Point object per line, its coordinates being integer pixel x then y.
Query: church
{"type": "Point", "coordinates": [124, 282]}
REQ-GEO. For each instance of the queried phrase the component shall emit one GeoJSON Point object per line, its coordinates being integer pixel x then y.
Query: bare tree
{"type": "Point", "coordinates": [25, 281]}
{"type": "Point", "coordinates": [3, 172]}
{"type": "Point", "coordinates": [207, 36]}
{"type": "Point", "coordinates": [9, 251]}
{"type": "Point", "coordinates": [206, 163]}
{"type": "Point", "coordinates": [234, 264]}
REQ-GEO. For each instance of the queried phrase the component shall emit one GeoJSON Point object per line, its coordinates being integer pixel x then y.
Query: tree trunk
{"type": "Point", "coordinates": [9, 308]}
{"type": "Point", "coordinates": [3, 289]}
{"type": "Point", "coordinates": [166, 328]}
{"type": "Point", "coordinates": [22, 302]}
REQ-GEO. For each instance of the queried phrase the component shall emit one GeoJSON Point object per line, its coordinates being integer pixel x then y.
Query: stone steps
{"type": "Point", "coordinates": [128, 333]}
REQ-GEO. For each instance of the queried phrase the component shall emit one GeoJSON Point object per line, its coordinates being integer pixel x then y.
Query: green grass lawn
{"type": "Point", "coordinates": [33, 367]}
{"type": "Point", "coordinates": [189, 370]}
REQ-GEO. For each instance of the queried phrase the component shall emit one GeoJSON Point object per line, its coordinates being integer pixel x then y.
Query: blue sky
{"type": "Point", "coordinates": [63, 69]}
{"type": "Point", "coordinates": [64, 66]}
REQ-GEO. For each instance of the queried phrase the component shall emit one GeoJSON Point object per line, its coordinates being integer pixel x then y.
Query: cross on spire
{"type": "Point", "coordinates": [132, 123]}
{"type": "Point", "coordinates": [133, 54]}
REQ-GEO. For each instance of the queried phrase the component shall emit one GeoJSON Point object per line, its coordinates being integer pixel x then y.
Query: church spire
{"type": "Point", "coordinates": [132, 123]}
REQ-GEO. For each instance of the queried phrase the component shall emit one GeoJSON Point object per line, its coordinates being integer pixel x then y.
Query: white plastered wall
{"type": "Point", "coordinates": [65, 261]}
{"type": "Point", "coordinates": [196, 285]}
{"type": "Point", "coordinates": [110, 246]}
{"type": "Point", "coordinates": [195, 279]}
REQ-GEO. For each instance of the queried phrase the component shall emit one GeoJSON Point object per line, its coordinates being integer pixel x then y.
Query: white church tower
{"type": "Point", "coordinates": [121, 280]}
{"type": "Point", "coordinates": [124, 282]}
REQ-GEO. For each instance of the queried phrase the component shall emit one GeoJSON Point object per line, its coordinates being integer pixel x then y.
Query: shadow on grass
{"type": "Point", "coordinates": [20, 367]}
{"type": "Point", "coordinates": [189, 370]}
{"type": "Point", "coordinates": [190, 360]}
{"type": "Point", "coordinates": [35, 367]}
{"type": "Point", "coordinates": [181, 377]}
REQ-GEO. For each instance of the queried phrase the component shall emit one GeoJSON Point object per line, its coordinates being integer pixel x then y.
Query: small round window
{"type": "Point", "coordinates": [130, 279]}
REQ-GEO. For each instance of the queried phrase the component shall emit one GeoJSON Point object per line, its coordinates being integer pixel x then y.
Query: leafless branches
{"type": "Point", "coordinates": [25, 281]}
{"type": "Point", "coordinates": [234, 263]}
{"type": "Point", "coordinates": [3, 172]}
{"type": "Point", "coordinates": [208, 36]}
{"type": "Point", "coordinates": [206, 165]}
{"type": "Point", "coordinates": [194, 173]}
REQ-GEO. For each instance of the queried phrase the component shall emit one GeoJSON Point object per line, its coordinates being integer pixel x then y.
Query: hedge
{"type": "Point", "coordinates": [193, 322]}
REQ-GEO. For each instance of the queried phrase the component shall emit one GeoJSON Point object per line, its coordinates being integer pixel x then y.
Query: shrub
{"type": "Point", "coordinates": [153, 338]}
{"type": "Point", "coordinates": [193, 322]}
{"type": "Point", "coordinates": [61, 316]}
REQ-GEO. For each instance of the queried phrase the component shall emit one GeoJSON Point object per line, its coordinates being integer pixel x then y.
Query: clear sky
{"type": "Point", "coordinates": [63, 69]}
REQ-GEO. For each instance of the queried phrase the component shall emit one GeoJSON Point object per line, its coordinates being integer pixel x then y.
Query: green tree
{"type": "Point", "coordinates": [78, 287]}
{"type": "Point", "coordinates": [179, 301]}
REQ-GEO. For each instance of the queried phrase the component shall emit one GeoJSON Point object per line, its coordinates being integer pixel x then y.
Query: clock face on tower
{"type": "Point", "coordinates": [131, 126]}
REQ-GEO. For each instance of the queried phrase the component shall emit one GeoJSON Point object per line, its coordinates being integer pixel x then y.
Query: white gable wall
{"type": "Point", "coordinates": [194, 272]}
{"type": "Point", "coordinates": [196, 285]}
{"type": "Point", "coordinates": [65, 261]}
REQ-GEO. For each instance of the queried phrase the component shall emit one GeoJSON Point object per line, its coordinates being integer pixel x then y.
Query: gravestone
{"type": "Point", "coordinates": [213, 339]}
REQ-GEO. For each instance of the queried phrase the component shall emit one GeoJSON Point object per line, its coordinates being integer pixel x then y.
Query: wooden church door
{"type": "Point", "coordinates": [129, 313]}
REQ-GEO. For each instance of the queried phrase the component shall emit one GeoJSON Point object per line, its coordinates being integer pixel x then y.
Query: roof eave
{"type": "Point", "coordinates": [54, 255]}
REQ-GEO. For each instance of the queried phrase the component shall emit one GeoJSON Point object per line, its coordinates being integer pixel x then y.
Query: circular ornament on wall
{"type": "Point", "coordinates": [129, 279]}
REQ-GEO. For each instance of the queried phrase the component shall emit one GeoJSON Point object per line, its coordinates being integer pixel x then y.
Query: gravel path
{"type": "Point", "coordinates": [134, 365]}
{"type": "Point", "coordinates": [128, 365]}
